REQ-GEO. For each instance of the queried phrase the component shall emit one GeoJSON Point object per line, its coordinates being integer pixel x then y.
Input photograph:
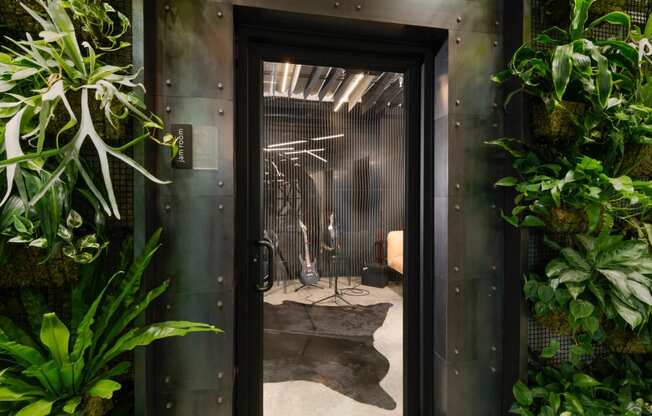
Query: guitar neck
{"type": "Point", "coordinates": [305, 242]}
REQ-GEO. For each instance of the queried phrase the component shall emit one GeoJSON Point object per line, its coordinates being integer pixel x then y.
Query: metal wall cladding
{"type": "Point", "coordinates": [194, 78]}
{"type": "Point", "coordinates": [193, 84]}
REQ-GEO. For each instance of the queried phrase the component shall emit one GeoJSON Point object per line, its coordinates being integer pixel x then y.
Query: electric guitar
{"type": "Point", "coordinates": [308, 275]}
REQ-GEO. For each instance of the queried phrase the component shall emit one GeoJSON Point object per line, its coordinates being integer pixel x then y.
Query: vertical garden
{"type": "Point", "coordinates": [71, 287]}
{"type": "Point", "coordinates": [582, 189]}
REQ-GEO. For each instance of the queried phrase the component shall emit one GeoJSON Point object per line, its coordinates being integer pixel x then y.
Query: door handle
{"type": "Point", "coordinates": [268, 281]}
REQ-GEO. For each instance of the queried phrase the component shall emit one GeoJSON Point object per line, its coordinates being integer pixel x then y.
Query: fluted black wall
{"type": "Point", "coordinates": [362, 181]}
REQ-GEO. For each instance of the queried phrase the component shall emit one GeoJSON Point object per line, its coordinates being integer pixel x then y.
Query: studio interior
{"type": "Point", "coordinates": [334, 191]}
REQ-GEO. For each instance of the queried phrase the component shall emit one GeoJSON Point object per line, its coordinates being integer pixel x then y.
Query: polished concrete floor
{"type": "Point", "coordinates": [306, 398]}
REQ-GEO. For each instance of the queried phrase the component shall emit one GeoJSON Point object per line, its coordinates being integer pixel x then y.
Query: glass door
{"type": "Point", "coordinates": [333, 184]}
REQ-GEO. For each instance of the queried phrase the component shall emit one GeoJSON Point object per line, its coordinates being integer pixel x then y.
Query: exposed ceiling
{"type": "Point", "coordinates": [373, 91]}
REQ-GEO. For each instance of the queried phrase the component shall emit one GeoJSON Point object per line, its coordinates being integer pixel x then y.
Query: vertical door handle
{"type": "Point", "coordinates": [268, 281]}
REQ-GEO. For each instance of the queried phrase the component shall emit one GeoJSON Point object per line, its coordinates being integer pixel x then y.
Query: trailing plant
{"type": "Point", "coordinates": [41, 79]}
{"type": "Point", "coordinates": [615, 385]}
{"type": "Point", "coordinates": [60, 371]}
{"type": "Point", "coordinates": [573, 197]}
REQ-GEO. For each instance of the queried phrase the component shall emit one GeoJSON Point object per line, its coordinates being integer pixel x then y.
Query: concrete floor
{"type": "Point", "coordinates": [305, 398]}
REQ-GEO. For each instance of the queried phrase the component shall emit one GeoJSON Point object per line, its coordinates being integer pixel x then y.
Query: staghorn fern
{"type": "Point", "coordinates": [38, 76]}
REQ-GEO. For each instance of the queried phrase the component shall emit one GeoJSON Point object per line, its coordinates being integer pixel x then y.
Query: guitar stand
{"type": "Point", "coordinates": [336, 295]}
{"type": "Point", "coordinates": [308, 285]}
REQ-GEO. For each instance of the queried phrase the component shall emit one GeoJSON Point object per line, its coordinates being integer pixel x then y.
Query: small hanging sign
{"type": "Point", "coordinates": [183, 135]}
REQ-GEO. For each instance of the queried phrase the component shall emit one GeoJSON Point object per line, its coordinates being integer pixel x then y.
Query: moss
{"type": "Point", "coordinates": [556, 322]}
{"type": "Point", "coordinates": [566, 221]}
{"type": "Point", "coordinates": [557, 125]}
{"type": "Point", "coordinates": [24, 266]}
{"type": "Point", "coordinates": [602, 7]}
{"type": "Point", "coordinates": [637, 161]}
{"type": "Point", "coordinates": [625, 342]}
{"type": "Point", "coordinates": [94, 406]}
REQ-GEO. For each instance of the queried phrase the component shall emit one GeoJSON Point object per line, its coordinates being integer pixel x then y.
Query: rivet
{"type": "Point", "coordinates": [336, 4]}
{"type": "Point", "coordinates": [255, 260]}
{"type": "Point", "coordinates": [497, 23]}
{"type": "Point", "coordinates": [358, 7]}
{"type": "Point", "coordinates": [220, 14]}
{"type": "Point", "coordinates": [457, 373]}
{"type": "Point", "coordinates": [167, 8]}
{"type": "Point", "coordinates": [458, 124]}
{"type": "Point", "coordinates": [458, 186]}
{"type": "Point", "coordinates": [458, 208]}
{"type": "Point", "coordinates": [220, 184]}
{"type": "Point", "coordinates": [494, 288]}
{"type": "Point", "coordinates": [168, 109]}
{"type": "Point", "coordinates": [220, 375]}
{"type": "Point", "coordinates": [167, 379]}
{"type": "Point", "coordinates": [459, 19]}
{"type": "Point", "coordinates": [493, 369]}
{"type": "Point", "coordinates": [494, 268]}
{"type": "Point", "coordinates": [168, 405]}
{"type": "Point", "coordinates": [455, 268]}
{"type": "Point", "coordinates": [220, 207]}
{"type": "Point", "coordinates": [496, 125]}
{"type": "Point", "coordinates": [220, 279]}
{"type": "Point", "coordinates": [220, 85]}
{"type": "Point", "coordinates": [220, 304]}
{"type": "Point", "coordinates": [495, 105]}
{"type": "Point", "coordinates": [456, 351]}
{"type": "Point", "coordinates": [168, 307]}
{"type": "Point", "coordinates": [493, 206]}
{"type": "Point", "coordinates": [458, 40]}
{"type": "Point", "coordinates": [495, 43]}
{"type": "Point", "coordinates": [220, 400]}
{"type": "Point", "coordinates": [221, 111]}
{"type": "Point", "coordinates": [493, 348]}
{"type": "Point", "coordinates": [457, 290]}
{"type": "Point", "coordinates": [168, 208]}
{"type": "Point", "coordinates": [168, 82]}
{"type": "Point", "coordinates": [458, 102]}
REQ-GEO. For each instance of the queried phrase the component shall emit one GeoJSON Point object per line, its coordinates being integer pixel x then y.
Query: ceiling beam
{"type": "Point", "coordinates": [359, 90]}
{"type": "Point", "coordinates": [317, 79]}
{"type": "Point", "coordinates": [332, 83]}
{"type": "Point", "coordinates": [302, 80]}
{"type": "Point", "coordinates": [388, 95]}
{"type": "Point", "coordinates": [370, 99]}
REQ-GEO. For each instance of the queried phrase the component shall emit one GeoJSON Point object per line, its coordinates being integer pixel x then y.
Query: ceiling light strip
{"type": "Point", "coordinates": [334, 136]}
{"type": "Point", "coordinates": [348, 91]}
{"type": "Point", "coordinates": [285, 144]}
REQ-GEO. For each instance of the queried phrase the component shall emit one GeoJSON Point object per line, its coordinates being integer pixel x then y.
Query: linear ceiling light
{"type": "Point", "coordinates": [295, 78]}
{"type": "Point", "coordinates": [273, 83]}
{"type": "Point", "coordinates": [335, 136]}
{"type": "Point", "coordinates": [278, 149]}
{"type": "Point", "coordinates": [316, 157]}
{"type": "Point", "coordinates": [284, 84]}
{"type": "Point", "coordinates": [348, 91]}
{"type": "Point", "coordinates": [285, 144]}
{"type": "Point", "coordinates": [303, 151]}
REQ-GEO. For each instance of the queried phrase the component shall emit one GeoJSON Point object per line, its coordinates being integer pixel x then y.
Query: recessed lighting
{"type": "Point", "coordinates": [278, 149]}
{"type": "Point", "coordinates": [335, 136]}
{"type": "Point", "coordinates": [285, 144]}
{"type": "Point", "coordinates": [316, 156]}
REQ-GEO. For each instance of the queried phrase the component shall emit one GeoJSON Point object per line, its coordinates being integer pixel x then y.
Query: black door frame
{"type": "Point", "coordinates": [263, 35]}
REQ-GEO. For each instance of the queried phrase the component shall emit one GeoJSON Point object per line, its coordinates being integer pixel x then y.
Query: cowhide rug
{"type": "Point", "coordinates": [331, 345]}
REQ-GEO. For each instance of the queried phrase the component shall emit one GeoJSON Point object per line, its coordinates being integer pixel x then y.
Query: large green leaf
{"type": "Point", "coordinates": [522, 394]}
{"type": "Point", "coordinates": [104, 388]}
{"type": "Point", "coordinates": [22, 354]}
{"type": "Point", "coordinates": [562, 67]}
{"type": "Point", "coordinates": [578, 18]}
{"type": "Point", "coordinates": [38, 408]}
{"type": "Point", "coordinates": [614, 18]}
{"type": "Point", "coordinates": [56, 337]}
{"type": "Point", "coordinates": [631, 316]}
{"type": "Point", "coordinates": [603, 81]}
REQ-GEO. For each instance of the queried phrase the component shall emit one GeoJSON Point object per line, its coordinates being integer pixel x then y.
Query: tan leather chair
{"type": "Point", "coordinates": [395, 250]}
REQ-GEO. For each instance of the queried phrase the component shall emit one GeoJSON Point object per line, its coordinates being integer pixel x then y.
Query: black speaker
{"type": "Point", "coordinates": [375, 275]}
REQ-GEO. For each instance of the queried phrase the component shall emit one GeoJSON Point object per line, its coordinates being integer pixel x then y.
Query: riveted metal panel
{"type": "Point", "coordinates": [194, 403]}
{"type": "Point", "coordinates": [467, 15]}
{"type": "Point", "coordinates": [197, 255]}
{"type": "Point", "coordinates": [195, 49]}
{"type": "Point", "coordinates": [472, 388]}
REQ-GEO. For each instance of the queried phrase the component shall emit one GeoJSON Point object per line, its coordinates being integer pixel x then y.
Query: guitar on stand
{"type": "Point", "coordinates": [309, 275]}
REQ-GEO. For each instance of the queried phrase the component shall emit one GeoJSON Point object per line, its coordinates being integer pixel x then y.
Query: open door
{"type": "Point", "coordinates": [332, 288]}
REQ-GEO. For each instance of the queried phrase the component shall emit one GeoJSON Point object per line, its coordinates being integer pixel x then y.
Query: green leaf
{"type": "Point", "coordinates": [578, 18]}
{"type": "Point", "coordinates": [574, 276]}
{"type": "Point", "coordinates": [532, 221]}
{"type": "Point", "coordinates": [104, 388]}
{"type": "Point", "coordinates": [591, 324]}
{"type": "Point", "coordinates": [632, 317]}
{"type": "Point", "coordinates": [555, 267]}
{"type": "Point", "coordinates": [585, 381]}
{"type": "Point", "coordinates": [55, 336]}
{"type": "Point", "coordinates": [74, 220]}
{"type": "Point", "coordinates": [581, 309]}
{"type": "Point", "coordinates": [640, 291]}
{"type": "Point", "coordinates": [614, 18]}
{"type": "Point", "coordinates": [575, 259]}
{"type": "Point", "coordinates": [38, 408]}
{"type": "Point", "coordinates": [622, 183]}
{"type": "Point", "coordinates": [562, 66]}
{"type": "Point", "coordinates": [72, 404]}
{"type": "Point", "coordinates": [551, 350]}
{"type": "Point", "coordinates": [507, 181]}
{"type": "Point", "coordinates": [522, 394]}
{"type": "Point", "coordinates": [545, 293]}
